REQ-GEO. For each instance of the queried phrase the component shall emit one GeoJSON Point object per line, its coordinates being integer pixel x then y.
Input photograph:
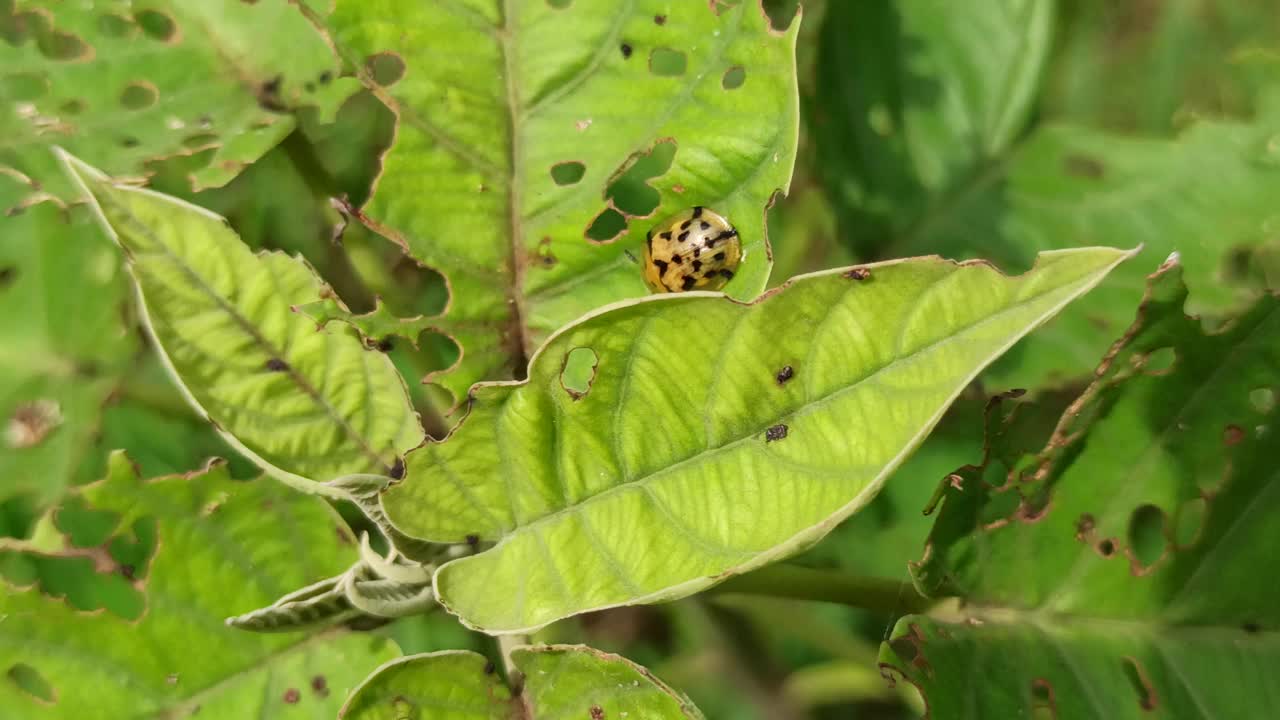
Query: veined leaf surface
{"type": "Point", "coordinates": [714, 436]}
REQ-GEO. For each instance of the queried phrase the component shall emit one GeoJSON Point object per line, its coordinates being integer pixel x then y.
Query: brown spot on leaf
{"type": "Point", "coordinates": [1084, 527]}
{"type": "Point", "coordinates": [659, 19]}
{"type": "Point", "coordinates": [1107, 547]}
{"type": "Point", "coordinates": [277, 365]}
{"type": "Point", "coordinates": [857, 273]}
{"type": "Point", "coordinates": [777, 432]}
{"type": "Point", "coordinates": [1141, 683]}
{"type": "Point", "coordinates": [597, 712]}
{"type": "Point", "coordinates": [1043, 704]}
{"type": "Point", "coordinates": [292, 696]}
{"type": "Point", "coordinates": [785, 374]}
{"type": "Point", "coordinates": [319, 686]}
{"type": "Point", "coordinates": [626, 51]}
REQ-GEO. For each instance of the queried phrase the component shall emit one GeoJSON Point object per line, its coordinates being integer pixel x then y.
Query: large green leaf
{"type": "Point", "coordinates": [918, 97]}
{"type": "Point", "coordinates": [303, 403]}
{"type": "Point", "coordinates": [1117, 571]}
{"type": "Point", "coordinates": [689, 454]}
{"type": "Point", "coordinates": [191, 551]}
{"type": "Point", "coordinates": [63, 344]}
{"type": "Point", "coordinates": [123, 84]}
{"type": "Point", "coordinates": [560, 681]}
{"type": "Point", "coordinates": [491, 99]}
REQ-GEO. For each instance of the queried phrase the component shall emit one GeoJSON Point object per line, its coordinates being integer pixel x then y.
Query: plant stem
{"type": "Point", "coordinates": [801, 583]}
{"type": "Point", "coordinates": [507, 643]}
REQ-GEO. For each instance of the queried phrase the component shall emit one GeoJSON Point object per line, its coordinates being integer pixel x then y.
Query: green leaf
{"type": "Point", "coordinates": [687, 460]}
{"type": "Point", "coordinates": [1115, 571]}
{"type": "Point", "coordinates": [302, 403]}
{"type": "Point", "coordinates": [561, 681]}
{"type": "Point", "coordinates": [63, 346]}
{"type": "Point", "coordinates": [491, 99]}
{"type": "Point", "coordinates": [211, 547]}
{"type": "Point", "coordinates": [123, 85]}
{"type": "Point", "coordinates": [916, 98]}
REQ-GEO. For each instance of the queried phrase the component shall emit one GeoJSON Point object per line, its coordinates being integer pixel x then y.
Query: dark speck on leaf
{"type": "Point", "coordinates": [277, 365]}
{"type": "Point", "coordinates": [856, 274]}
{"type": "Point", "coordinates": [127, 571]}
{"type": "Point", "coordinates": [292, 696]}
{"type": "Point", "coordinates": [326, 77]}
{"type": "Point", "coordinates": [473, 540]}
{"type": "Point", "coordinates": [659, 19]}
{"type": "Point", "coordinates": [785, 374]}
{"type": "Point", "coordinates": [777, 432]}
{"type": "Point", "coordinates": [597, 712]}
{"type": "Point", "coordinates": [1084, 166]}
{"type": "Point", "coordinates": [385, 345]}
{"type": "Point", "coordinates": [319, 685]}
{"type": "Point", "coordinates": [130, 142]}
{"type": "Point", "coordinates": [1252, 628]}
{"type": "Point", "coordinates": [626, 50]}
{"type": "Point", "coordinates": [397, 470]}
{"type": "Point", "coordinates": [489, 667]}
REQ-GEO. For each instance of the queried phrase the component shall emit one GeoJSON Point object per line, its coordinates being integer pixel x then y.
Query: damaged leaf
{"type": "Point", "coordinates": [302, 403]}
{"type": "Point", "coordinates": [178, 659]}
{"type": "Point", "coordinates": [507, 153]}
{"type": "Point", "coordinates": [123, 85]}
{"type": "Point", "coordinates": [1116, 560]}
{"type": "Point", "coordinates": [560, 681]}
{"type": "Point", "coordinates": [687, 462]}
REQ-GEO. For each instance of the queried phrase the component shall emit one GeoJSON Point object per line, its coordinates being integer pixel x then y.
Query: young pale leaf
{"type": "Point", "coordinates": [714, 437]}
{"type": "Point", "coordinates": [561, 681]}
{"type": "Point", "coordinates": [1116, 572]}
{"type": "Point", "coordinates": [510, 169]}
{"type": "Point", "coordinates": [193, 550]}
{"type": "Point", "coordinates": [303, 403]}
{"type": "Point", "coordinates": [124, 84]}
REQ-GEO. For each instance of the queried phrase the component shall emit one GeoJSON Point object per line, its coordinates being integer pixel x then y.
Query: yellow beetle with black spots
{"type": "Point", "coordinates": [696, 249]}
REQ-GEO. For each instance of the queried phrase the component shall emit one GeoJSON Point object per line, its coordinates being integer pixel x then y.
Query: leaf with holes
{"type": "Point", "coordinates": [171, 656]}
{"type": "Point", "coordinates": [63, 347]}
{"type": "Point", "coordinates": [561, 681]}
{"type": "Point", "coordinates": [689, 454]}
{"type": "Point", "coordinates": [1116, 570]}
{"type": "Point", "coordinates": [302, 403]}
{"type": "Point", "coordinates": [124, 85]}
{"type": "Point", "coordinates": [525, 168]}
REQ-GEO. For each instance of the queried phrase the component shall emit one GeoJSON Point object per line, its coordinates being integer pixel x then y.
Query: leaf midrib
{"type": "Point", "coordinates": [301, 382]}
{"type": "Point", "coordinates": [808, 405]}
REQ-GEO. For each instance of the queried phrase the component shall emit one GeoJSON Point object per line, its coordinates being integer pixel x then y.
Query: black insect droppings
{"type": "Point", "coordinates": [292, 696]}
{"type": "Point", "coordinates": [687, 282]}
{"type": "Point", "coordinates": [856, 274]}
{"type": "Point", "coordinates": [473, 540]}
{"type": "Point", "coordinates": [597, 712]}
{"type": "Point", "coordinates": [777, 432]}
{"type": "Point", "coordinates": [277, 365]}
{"type": "Point", "coordinates": [626, 51]}
{"type": "Point", "coordinates": [326, 77]}
{"type": "Point", "coordinates": [785, 374]}
{"type": "Point", "coordinates": [659, 19]}
{"type": "Point", "coordinates": [396, 472]}
{"type": "Point", "coordinates": [386, 345]}
{"type": "Point", "coordinates": [319, 685]}
{"type": "Point", "coordinates": [269, 95]}
{"type": "Point", "coordinates": [489, 668]}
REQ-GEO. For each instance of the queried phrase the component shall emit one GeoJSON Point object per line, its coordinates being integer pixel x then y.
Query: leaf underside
{"type": "Point", "coordinates": [305, 403]}
{"type": "Point", "coordinates": [687, 458]}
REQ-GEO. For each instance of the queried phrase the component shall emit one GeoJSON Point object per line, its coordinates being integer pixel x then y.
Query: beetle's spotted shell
{"type": "Point", "coordinates": [696, 249]}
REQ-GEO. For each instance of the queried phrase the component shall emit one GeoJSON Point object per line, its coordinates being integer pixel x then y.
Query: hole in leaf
{"type": "Point", "coordinates": [559, 4]}
{"type": "Point", "coordinates": [1188, 522]}
{"type": "Point", "coordinates": [1146, 535]}
{"type": "Point", "coordinates": [608, 225]}
{"type": "Point", "coordinates": [113, 25]}
{"type": "Point", "coordinates": [30, 681]}
{"type": "Point", "coordinates": [781, 13]}
{"type": "Point", "coordinates": [24, 86]}
{"type": "Point", "coordinates": [200, 141]}
{"type": "Point", "coordinates": [63, 46]}
{"type": "Point", "coordinates": [1141, 684]}
{"type": "Point", "coordinates": [568, 173]}
{"type": "Point", "coordinates": [386, 68]}
{"type": "Point", "coordinates": [666, 62]}
{"type": "Point", "coordinates": [139, 95]}
{"type": "Point", "coordinates": [1263, 400]}
{"type": "Point", "coordinates": [630, 191]}
{"type": "Point", "coordinates": [1043, 706]}
{"type": "Point", "coordinates": [157, 25]}
{"type": "Point", "coordinates": [1159, 361]}
{"type": "Point", "coordinates": [733, 78]}
{"type": "Point", "coordinates": [1107, 547]}
{"type": "Point", "coordinates": [578, 371]}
